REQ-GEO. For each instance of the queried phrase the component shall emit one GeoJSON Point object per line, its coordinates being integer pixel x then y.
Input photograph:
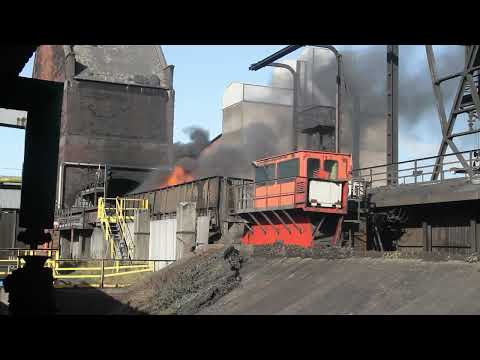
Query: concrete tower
{"type": "Point", "coordinates": [117, 110]}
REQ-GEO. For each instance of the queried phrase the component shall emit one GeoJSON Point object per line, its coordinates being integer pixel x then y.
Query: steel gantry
{"type": "Point", "coordinates": [392, 114]}
{"type": "Point", "coordinates": [466, 101]}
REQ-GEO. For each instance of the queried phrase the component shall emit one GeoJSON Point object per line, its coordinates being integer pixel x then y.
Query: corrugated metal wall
{"type": "Point", "coordinates": [450, 229]}
{"type": "Point", "coordinates": [10, 198]}
{"type": "Point", "coordinates": [163, 241]}
{"type": "Point", "coordinates": [204, 192]}
{"type": "Point", "coordinates": [8, 229]}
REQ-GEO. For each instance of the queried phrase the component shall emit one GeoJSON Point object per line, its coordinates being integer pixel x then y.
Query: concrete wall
{"type": "Point", "coordinates": [76, 246]}
{"type": "Point", "coordinates": [141, 231]}
{"type": "Point", "coordinates": [202, 231]}
{"type": "Point", "coordinates": [97, 244]}
{"type": "Point", "coordinates": [186, 228]}
{"type": "Point", "coordinates": [65, 245]}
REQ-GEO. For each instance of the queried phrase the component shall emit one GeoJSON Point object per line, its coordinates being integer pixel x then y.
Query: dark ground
{"type": "Point", "coordinates": [186, 286]}
{"type": "Point", "coordinates": [353, 285]}
{"type": "Point", "coordinates": [290, 280]}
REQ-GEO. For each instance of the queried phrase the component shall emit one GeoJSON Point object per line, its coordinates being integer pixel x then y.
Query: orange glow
{"type": "Point", "coordinates": [178, 176]}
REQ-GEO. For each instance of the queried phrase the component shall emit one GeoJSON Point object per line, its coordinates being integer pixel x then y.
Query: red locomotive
{"type": "Point", "coordinates": [297, 198]}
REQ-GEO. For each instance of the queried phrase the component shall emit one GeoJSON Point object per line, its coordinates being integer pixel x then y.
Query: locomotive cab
{"type": "Point", "coordinates": [299, 198]}
{"type": "Point", "coordinates": [311, 180]}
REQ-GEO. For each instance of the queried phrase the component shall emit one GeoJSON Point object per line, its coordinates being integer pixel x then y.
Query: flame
{"type": "Point", "coordinates": [178, 176]}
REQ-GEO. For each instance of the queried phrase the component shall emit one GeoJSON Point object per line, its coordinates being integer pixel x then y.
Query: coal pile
{"type": "Point", "coordinates": [319, 251]}
{"type": "Point", "coordinates": [187, 286]}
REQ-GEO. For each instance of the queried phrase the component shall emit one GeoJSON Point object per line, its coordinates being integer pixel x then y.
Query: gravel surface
{"type": "Point", "coordinates": [187, 286]}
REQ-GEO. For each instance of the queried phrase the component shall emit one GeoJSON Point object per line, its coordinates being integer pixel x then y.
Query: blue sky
{"type": "Point", "coordinates": [202, 72]}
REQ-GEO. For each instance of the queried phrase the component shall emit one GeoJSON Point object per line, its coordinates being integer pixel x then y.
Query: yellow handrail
{"type": "Point", "coordinates": [105, 223]}
{"type": "Point", "coordinates": [122, 213]}
{"type": "Point", "coordinates": [94, 269]}
{"type": "Point", "coordinates": [125, 232]}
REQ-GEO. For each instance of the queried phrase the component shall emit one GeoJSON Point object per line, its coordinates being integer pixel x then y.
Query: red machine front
{"type": "Point", "coordinates": [292, 192]}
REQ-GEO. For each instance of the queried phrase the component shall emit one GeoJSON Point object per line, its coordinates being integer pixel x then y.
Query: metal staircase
{"type": "Point", "coordinates": [119, 240]}
{"type": "Point", "coordinates": [113, 215]}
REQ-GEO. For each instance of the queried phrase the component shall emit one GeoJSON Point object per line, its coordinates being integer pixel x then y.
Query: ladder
{"type": "Point", "coordinates": [119, 240]}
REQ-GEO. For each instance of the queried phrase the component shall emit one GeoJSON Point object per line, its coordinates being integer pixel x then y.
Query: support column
{"type": "Point", "coordinates": [356, 133]}
{"type": "Point", "coordinates": [392, 113]}
{"type": "Point", "coordinates": [477, 236]}
{"type": "Point", "coordinates": [72, 239]}
{"type": "Point", "coordinates": [473, 236]}
{"type": "Point", "coordinates": [186, 228]}
{"type": "Point", "coordinates": [427, 237]}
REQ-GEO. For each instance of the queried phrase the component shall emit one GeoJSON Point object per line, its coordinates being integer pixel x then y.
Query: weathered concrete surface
{"type": "Point", "coordinates": [353, 286]}
{"type": "Point", "coordinates": [425, 193]}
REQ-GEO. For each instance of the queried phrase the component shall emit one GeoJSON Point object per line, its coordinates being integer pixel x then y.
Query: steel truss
{"type": "Point", "coordinates": [466, 101]}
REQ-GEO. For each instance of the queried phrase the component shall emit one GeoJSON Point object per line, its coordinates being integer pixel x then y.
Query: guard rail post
{"type": "Point", "coordinates": [102, 273]}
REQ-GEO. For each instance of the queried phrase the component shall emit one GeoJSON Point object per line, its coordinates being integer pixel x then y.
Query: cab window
{"type": "Point", "coordinates": [288, 169]}
{"type": "Point", "coordinates": [313, 165]}
{"type": "Point", "coordinates": [265, 173]}
{"type": "Point", "coordinates": [331, 166]}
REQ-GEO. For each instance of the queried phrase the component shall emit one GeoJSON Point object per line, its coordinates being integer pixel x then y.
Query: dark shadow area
{"type": "Point", "coordinates": [3, 309]}
{"type": "Point", "coordinates": [87, 301]}
{"type": "Point", "coordinates": [119, 187]}
{"type": "Point", "coordinates": [92, 301]}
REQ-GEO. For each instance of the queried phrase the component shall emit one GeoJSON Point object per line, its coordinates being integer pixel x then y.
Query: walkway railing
{"type": "Point", "coordinates": [277, 193]}
{"type": "Point", "coordinates": [419, 170]}
{"type": "Point", "coordinates": [77, 272]}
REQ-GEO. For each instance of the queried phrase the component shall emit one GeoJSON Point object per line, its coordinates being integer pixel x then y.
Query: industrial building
{"type": "Point", "coordinates": [258, 123]}
{"type": "Point", "coordinates": [305, 86]}
{"type": "Point", "coordinates": [115, 128]}
{"type": "Point", "coordinates": [116, 125]}
{"type": "Point", "coordinates": [305, 164]}
{"type": "Point", "coordinates": [117, 109]}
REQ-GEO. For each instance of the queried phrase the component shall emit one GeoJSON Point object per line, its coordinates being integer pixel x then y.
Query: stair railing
{"type": "Point", "coordinates": [126, 236]}
{"type": "Point", "coordinates": [106, 227]}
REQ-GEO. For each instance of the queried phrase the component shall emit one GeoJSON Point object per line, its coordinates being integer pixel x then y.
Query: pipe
{"type": "Point", "coordinates": [338, 112]}
{"type": "Point", "coordinates": [289, 49]}
{"type": "Point", "coordinates": [274, 57]}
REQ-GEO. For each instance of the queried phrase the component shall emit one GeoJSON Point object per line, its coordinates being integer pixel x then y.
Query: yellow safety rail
{"type": "Point", "coordinates": [105, 221]}
{"type": "Point", "coordinates": [123, 212]}
{"type": "Point", "coordinates": [14, 260]}
{"type": "Point", "coordinates": [100, 271]}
